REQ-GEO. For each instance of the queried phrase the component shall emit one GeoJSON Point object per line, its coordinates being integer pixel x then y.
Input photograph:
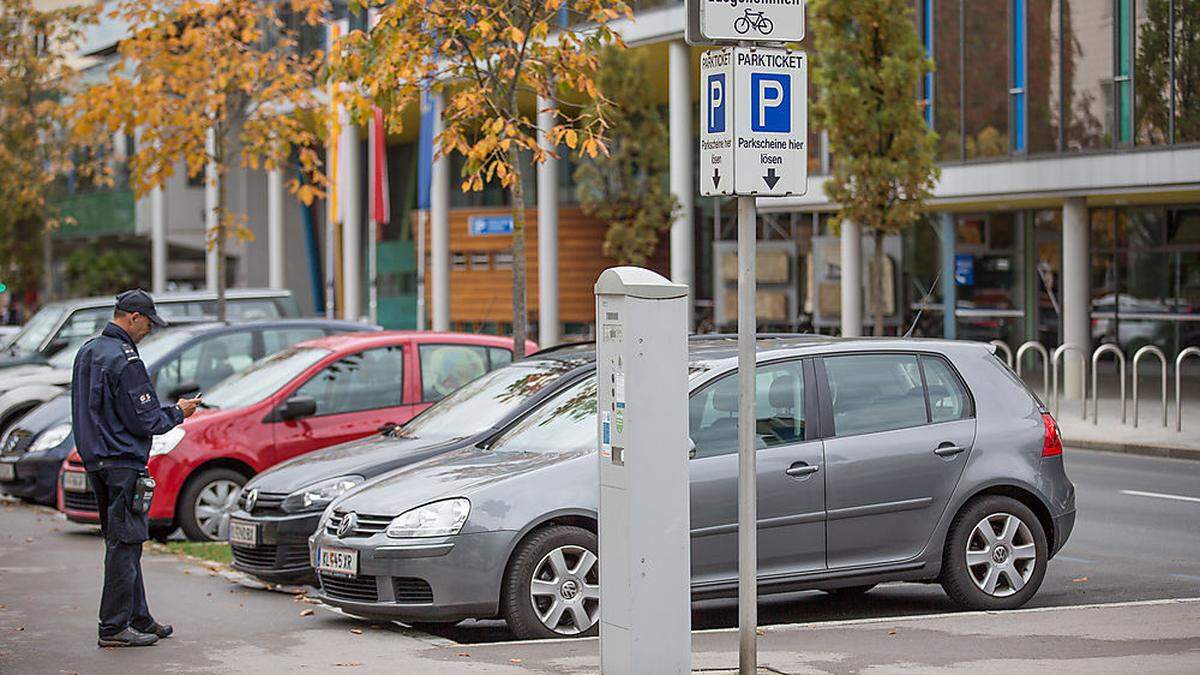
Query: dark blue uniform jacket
{"type": "Point", "coordinates": [114, 410]}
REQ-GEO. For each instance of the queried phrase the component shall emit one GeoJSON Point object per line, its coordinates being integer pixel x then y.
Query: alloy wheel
{"type": "Point", "coordinates": [1001, 555]}
{"type": "Point", "coordinates": [213, 500]}
{"type": "Point", "coordinates": [565, 590]}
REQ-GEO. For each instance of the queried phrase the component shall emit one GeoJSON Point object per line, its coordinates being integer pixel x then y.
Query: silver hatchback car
{"type": "Point", "coordinates": [878, 460]}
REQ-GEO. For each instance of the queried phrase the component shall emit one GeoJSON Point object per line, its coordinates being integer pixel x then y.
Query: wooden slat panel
{"type": "Point", "coordinates": [479, 296]}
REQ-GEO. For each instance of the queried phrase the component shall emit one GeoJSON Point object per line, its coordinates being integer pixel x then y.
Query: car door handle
{"type": "Point", "coordinates": [948, 450]}
{"type": "Point", "coordinates": [801, 469]}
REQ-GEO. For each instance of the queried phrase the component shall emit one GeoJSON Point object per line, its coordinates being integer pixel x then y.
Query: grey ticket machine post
{"type": "Point", "coordinates": [645, 589]}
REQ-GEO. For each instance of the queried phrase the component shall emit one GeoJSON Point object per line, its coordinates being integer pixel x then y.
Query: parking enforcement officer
{"type": "Point", "coordinates": [114, 413]}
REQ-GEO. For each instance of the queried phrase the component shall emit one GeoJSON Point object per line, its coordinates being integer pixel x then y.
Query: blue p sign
{"type": "Point", "coordinates": [771, 102]}
{"type": "Point", "coordinates": [716, 103]}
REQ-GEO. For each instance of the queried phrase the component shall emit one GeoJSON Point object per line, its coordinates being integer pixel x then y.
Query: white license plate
{"type": "Point", "coordinates": [74, 481]}
{"type": "Point", "coordinates": [338, 561]}
{"type": "Point", "coordinates": [8, 471]}
{"type": "Point", "coordinates": [243, 533]}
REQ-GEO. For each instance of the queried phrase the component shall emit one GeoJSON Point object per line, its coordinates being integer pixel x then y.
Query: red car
{"type": "Point", "coordinates": [309, 396]}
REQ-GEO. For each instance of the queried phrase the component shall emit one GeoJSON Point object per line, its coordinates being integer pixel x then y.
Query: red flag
{"type": "Point", "coordinates": [380, 206]}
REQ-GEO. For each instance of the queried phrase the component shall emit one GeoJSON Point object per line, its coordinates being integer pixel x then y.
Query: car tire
{"type": "Point", "coordinates": [563, 561]}
{"type": "Point", "coordinates": [974, 561]}
{"type": "Point", "coordinates": [199, 496]}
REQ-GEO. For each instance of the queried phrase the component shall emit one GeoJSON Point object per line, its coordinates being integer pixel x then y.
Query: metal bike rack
{"type": "Point", "coordinates": [1008, 355]}
{"type": "Point", "coordinates": [1058, 352]}
{"type": "Point", "coordinates": [1162, 360]}
{"type": "Point", "coordinates": [1034, 345]}
{"type": "Point", "coordinates": [1190, 351]}
{"type": "Point", "coordinates": [1101, 351]}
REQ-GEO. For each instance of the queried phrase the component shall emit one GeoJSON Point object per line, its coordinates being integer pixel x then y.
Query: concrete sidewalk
{"type": "Point", "coordinates": [1157, 636]}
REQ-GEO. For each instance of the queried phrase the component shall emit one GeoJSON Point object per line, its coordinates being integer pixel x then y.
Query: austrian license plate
{"type": "Point", "coordinates": [75, 481]}
{"type": "Point", "coordinates": [242, 533]}
{"type": "Point", "coordinates": [337, 561]}
{"type": "Point", "coordinates": [8, 471]}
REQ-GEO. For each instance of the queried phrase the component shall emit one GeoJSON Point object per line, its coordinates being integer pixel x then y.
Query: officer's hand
{"type": "Point", "coordinates": [188, 406]}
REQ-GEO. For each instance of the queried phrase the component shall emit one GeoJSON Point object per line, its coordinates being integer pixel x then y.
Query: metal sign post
{"type": "Point", "coordinates": [753, 143]}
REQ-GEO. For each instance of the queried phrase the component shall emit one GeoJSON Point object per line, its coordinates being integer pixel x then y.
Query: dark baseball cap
{"type": "Point", "coordinates": [140, 301]}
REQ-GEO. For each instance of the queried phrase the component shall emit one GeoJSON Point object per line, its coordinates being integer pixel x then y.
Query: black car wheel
{"type": "Point", "coordinates": [202, 502]}
{"type": "Point", "coordinates": [995, 555]}
{"type": "Point", "coordinates": [552, 586]}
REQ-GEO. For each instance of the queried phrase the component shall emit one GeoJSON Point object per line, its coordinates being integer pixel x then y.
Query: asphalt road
{"type": "Point", "coordinates": [1137, 538]}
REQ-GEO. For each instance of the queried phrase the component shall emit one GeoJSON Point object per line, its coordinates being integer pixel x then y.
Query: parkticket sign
{"type": "Point", "coordinates": [752, 20]}
{"type": "Point", "coordinates": [754, 124]}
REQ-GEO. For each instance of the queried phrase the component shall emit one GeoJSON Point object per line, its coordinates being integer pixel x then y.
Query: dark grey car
{"type": "Point", "coordinates": [878, 460]}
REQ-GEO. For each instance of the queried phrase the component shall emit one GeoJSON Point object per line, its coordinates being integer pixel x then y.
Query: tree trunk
{"type": "Point", "coordinates": [877, 284]}
{"type": "Point", "coordinates": [219, 161]}
{"type": "Point", "coordinates": [520, 321]}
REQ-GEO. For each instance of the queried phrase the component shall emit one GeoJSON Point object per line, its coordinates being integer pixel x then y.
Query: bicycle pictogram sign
{"type": "Point", "coordinates": [751, 19]}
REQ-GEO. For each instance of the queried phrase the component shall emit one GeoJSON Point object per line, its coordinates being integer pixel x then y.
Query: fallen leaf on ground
{"type": "Point", "coordinates": [760, 631]}
{"type": "Point", "coordinates": [463, 654]}
{"type": "Point", "coordinates": [514, 660]}
{"type": "Point", "coordinates": [20, 627]}
{"type": "Point", "coordinates": [356, 631]}
{"type": "Point", "coordinates": [306, 612]}
{"type": "Point", "coordinates": [892, 631]}
{"type": "Point", "coordinates": [28, 540]}
{"type": "Point", "coordinates": [1080, 580]}
{"type": "Point", "coordinates": [348, 664]}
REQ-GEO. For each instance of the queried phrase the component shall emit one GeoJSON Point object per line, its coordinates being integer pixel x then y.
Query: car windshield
{"type": "Point", "coordinates": [481, 403]}
{"type": "Point", "coordinates": [37, 329]}
{"type": "Point", "coordinates": [565, 423]}
{"type": "Point", "coordinates": [262, 378]}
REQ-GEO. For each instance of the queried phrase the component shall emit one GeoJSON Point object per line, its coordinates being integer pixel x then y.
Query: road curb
{"type": "Point", "coordinates": [1169, 451]}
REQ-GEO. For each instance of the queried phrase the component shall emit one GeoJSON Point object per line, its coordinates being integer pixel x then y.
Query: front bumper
{"type": "Point", "coordinates": [443, 579]}
{"type": "Point", "coordinates": [281, 555]}
{"type": "Point", "coordinates": [36, 476]}
{"type": "Point", "coordinates": [79, 507]}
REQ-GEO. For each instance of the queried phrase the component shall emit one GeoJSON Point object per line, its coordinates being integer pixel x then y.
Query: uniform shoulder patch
{"type": "Point", "coordinates": [130, 353]}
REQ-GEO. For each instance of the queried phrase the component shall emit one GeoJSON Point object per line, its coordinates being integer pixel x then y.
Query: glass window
{"type": "Point", "coordinates": [483, 401]}
{"type": "Point", "coordinates": [1152, 72]}
{"type": "Point", "coordinates": [275, 339]}
{"type": "Point", "coordinates": [1185, 28]}
{"type": "Point", "coordinates": [779, 402]}
{"type": "Point", "coordinates": [566, 423]}
{"type": "Point", "coordinates": [37, 329]}
{"type": "Point", "coordinates": [445, 368]}
{"type": "Point", "coordinates": [365, 381]}
{"type": "Point", "coordinates": [947, 400]}
{"type": "Point", "coordinates": [985, 79]}
{"type": "Point", "coordinates": [207, 362]}
{"type": "Point", "coordinates": [875, 392]}
{"type": "Point", "coordinates": [1088, 74]}
{"type": "Point", "coordinates": [263, 378]}
{"type": "Point", "coordinates": [947, 79]}
{"type": "Point", "coordinates": [83, 324]}
{"type": "Point", "coordinates": [498, 356]}
{"type": "Point", "coordinates": [252, 308]}
{"type": "Point", "coordinates": [1043, 70]}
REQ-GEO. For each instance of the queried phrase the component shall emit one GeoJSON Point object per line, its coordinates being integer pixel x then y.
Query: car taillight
{"type": "Point", "coordinates": [1051, 441]}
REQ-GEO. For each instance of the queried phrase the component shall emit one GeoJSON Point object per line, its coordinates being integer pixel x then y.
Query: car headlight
{"type": "Point", "coordinates": [164, 443]}
{"type": "Point", "coordinates": [439, 519]}
{"type": "Point", "coordinates": [318, 495]}
{"type": "Point", "coordinates": [51, 438]}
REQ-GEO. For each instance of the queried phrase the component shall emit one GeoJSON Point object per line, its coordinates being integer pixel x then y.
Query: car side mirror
{"type": "Point", "coordinates": [56, 345]}
{"type": "Point", "coordinates": [183, 388]}
{"type": "Point", "coordinates": [691, 449]}
{"type": "Point", "coordinates": [297, 407]}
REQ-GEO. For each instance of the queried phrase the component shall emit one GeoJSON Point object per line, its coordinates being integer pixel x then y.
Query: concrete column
{"type": "Point", "coordinates": [683, 184]}
{"type": "Point", "coordinates": [547, 205]}
{"type": "Point", "coordinates": [947, 233]}
{"type": "Point", "coordinates": [439, 236]}
{"type": "Point", "coordinates": [1076, 293]}
{"type": "Point", "coordinates": [210, 215]}
{"type": "Point", "coordinates": [350, 195]}
{"type": "Point", "coordinates": [852, 270]}
{"type": "Point", "coordinates": [158, 241]}
{"type": "Point", "coordinates": [275, 243]}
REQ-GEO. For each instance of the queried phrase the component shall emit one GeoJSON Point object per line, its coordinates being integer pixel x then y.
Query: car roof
{"type": "Point", "coordinates": [348, 341]}
{"type": "Point", "coordinates": [209, 326]}
{"type": "Point", "coordinates": [178, 296]}
{"type": "Point", "coordinates": [716, 350]}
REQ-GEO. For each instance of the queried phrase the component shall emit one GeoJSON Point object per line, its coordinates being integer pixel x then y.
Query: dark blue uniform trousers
{"type": "Point", "coordinates": [123, 602]}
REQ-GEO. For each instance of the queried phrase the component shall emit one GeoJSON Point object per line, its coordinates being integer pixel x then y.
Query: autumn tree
{"type": "Point", "coordinates": [491, 60]}
{"type": "Point", "coordinates": [870, 62]}
{"type": "Point", "coordinates": [626, 188]}
{"type": "Point", "coordinates": [35, 75]}
{"type": "Point", "coordinates": [230, 68]}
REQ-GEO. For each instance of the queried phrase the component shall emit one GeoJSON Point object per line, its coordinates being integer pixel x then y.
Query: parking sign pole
{"type": "Point", "coordinates": [747, 489]}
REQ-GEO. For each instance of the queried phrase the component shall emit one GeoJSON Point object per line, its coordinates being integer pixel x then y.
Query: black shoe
{"type": "Point", "coordinates": [162, 630]}
{"type": "Point", "coordinates": [130, 637]}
